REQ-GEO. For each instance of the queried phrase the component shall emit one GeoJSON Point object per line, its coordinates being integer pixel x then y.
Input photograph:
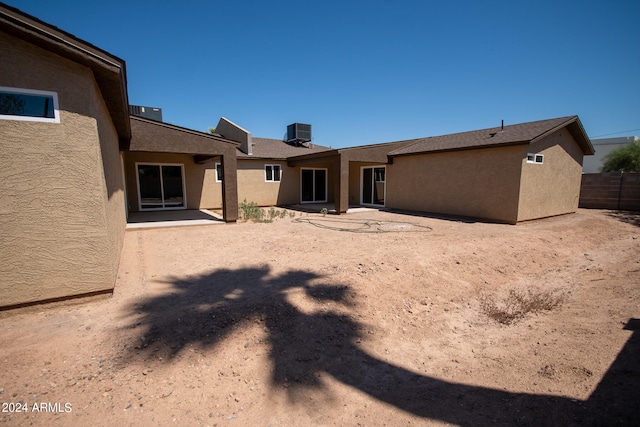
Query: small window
{"type": "Point", "coordinates": [535, 158]}
{"type": "Point", "coordinates": [29, 105]}
{"type": "Point", "coordinates": [272, 173]}
{"type": "Point", "coordinates": [218, 172]}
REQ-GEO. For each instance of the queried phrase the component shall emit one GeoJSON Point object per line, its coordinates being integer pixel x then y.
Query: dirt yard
{"type": "Point", "coordinates": [305, 322]}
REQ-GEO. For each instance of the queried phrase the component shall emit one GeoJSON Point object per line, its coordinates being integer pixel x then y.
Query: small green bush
{"type": "Point", "coordinates": [272, 213]}
{"type": "Point", "coordinates": [250, 211]}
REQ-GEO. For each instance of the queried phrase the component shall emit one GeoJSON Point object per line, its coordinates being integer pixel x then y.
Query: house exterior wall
{"type": "Point", "coordinates": [202, 190]}
{"type": "Point", "coordinates": [62, 216]}
{"type": "Point", "coordinates": [480, 183]}
{"type": "Point", "coordinates": [553, 187]}
{"type": "Point", "coordinates": [253, 187]}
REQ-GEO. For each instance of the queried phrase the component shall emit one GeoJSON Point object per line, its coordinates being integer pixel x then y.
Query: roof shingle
{"type": "Point", "coordinates": [265, 148]}
{"type": "Point", "coordinates": [512, 134]}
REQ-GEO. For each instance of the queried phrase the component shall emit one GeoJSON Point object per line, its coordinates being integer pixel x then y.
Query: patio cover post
{"type": "Point", "coordinates": [229, 188]}
{"type": "Point", "coordinates": [341, 184]}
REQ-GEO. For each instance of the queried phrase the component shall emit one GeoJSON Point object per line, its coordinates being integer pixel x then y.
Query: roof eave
{"type": "Point", "coordinates": [109, 70]}
{"type": "Point", "coordinates": [184, 130]}
{"type": "Point", "coordinates": [576, 129]}
{"type": "Point", "coordinates": [466, 148]}
{"type": "Point", "coordinates": [319, 154]}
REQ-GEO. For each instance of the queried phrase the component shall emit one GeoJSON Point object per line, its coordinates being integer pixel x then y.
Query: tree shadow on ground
{"type": "Point", "coordinates": [629, 217]}
{"type": "Point", "coordinates": [204, 310]}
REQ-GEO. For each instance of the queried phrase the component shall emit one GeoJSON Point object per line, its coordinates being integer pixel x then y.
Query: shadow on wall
{"type": "Point", "coordinates": [203, 310]}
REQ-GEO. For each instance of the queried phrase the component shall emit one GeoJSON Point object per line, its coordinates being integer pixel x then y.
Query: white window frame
{"type": "Point", "coordinates": [533, 158]}
{"type": "Point", "coordinates": [20, 91]}
{"type": "Point", "coordinates": [218, 176]}
{"type": "Point", "coordinates": [163, 208]}
{"type": "Point", "coordinates": [373, 167]}
{"type": "Point", "coordinates": [272, 166]}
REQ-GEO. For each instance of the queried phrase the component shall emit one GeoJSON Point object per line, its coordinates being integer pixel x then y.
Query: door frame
{"type": "Point", "coordinates": [373, 167]}
{"type": "Point", "coordinates": [163, 208]}
{"type": "Point", "coordinates": [326, 185]}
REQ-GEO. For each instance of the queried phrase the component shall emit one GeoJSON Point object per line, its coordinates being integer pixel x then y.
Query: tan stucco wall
{"type": "Point", "coordinates": [253, 187]}
{"type": "Point", "coordinates": [202, 190]}
{"type": "Point", "coordinates": [553, 187]}
{"type": "Point", "coordinates": [481, 183]}
{"type": "Point", "coordinates": [62, 217]}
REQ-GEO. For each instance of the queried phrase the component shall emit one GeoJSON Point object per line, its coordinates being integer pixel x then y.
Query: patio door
{"type": "Point", "coordinates": [160, 186]}
{"type": "Point", "coordinates": [313, 183]}
{"type": "Point", "coordinates": [373, 185]}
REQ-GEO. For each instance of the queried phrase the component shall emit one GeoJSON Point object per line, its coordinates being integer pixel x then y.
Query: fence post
{"type": "Point", "coordinates": [615, 186]}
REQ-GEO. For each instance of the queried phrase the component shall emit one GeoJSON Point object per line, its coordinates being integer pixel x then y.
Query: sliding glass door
{"type": "Point", "coordinates": [314, 185]}
{"type": "Point", "coordinates": [373, 185]}
{"type": "Point", "coordinates": [160, 186]}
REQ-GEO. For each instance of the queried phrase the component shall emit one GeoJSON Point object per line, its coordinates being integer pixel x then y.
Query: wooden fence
{"type": "Point", "coordinates": [611, 190]}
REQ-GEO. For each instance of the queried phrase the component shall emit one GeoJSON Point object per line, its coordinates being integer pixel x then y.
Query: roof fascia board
{"type": "Point", "coordinates": [576, 129]}
{"type": "Point", "coordinates": [553, 129]}
{"type": "Point", "coordinates": [311, 156]}
{"type": "Point", "coordinates": [25, 22]}
{"type": "Point", "coordinates": [247, 157]}
{"type": "Point", "coordinates": [578, 132]}
{"type": "Point", "coordinates": [108, 69]}
{"type": "Point", "coordinates": [449, 150]}
{"type": "Point", "coordinates": [185, 130]}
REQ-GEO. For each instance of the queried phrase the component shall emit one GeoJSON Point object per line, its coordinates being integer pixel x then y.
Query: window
{"type": "Point", "coordinates": [535, 158]}
{"type": "Point", "coordinates": [29, 105]}
{"type": "Point", "coordinates": [218, 172]}
{"type": "Point", "coordinates": [272, 173]}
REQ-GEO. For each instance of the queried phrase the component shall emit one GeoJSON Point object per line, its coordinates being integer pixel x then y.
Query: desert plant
{"type": "Point", "coordinates": [272, 212]}
{"type": "Point", "coordinates": [324, 211]}
{"type": "Point", "coordinates": [251, 211]}
{"type": "Point", "coordinates": [518, 303]}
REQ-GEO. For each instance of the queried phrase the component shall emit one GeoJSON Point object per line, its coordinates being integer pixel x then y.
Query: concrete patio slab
{"type": "Point", "coordinates": [177, 218]}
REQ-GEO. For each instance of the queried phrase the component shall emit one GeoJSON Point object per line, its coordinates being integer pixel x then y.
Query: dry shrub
{"type": "Point", "coordinates": [518, 303]}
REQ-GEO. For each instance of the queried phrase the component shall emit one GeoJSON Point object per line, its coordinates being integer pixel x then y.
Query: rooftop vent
{"type": "Point", "coordinates": [298, 133]}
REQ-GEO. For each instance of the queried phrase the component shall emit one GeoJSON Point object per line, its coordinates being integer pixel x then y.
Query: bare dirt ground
{"type": "Point", "coordinates": [291, 324]}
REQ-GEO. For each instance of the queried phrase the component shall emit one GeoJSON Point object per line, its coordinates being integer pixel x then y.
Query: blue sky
{"type": "Point", "coordinates": [364, 72]}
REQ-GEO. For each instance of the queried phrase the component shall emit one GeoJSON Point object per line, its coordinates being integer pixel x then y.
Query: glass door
{"type": "Point", "coordinates": [313, 185]}
{"type": "Point", "coordinates": [373, 185]}
{"type": "Point", "coordinates": [161, 186]}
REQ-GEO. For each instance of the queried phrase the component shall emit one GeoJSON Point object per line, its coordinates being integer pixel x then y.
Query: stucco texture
{"type": "Point", "coordinates": [480, 183]}
{"type": "Point", "coordinates": [553, 187]}
{"type": "Point", "coordinates": [202, 190]}
{"type": "Point", "coordinates": [62, 215]}
{"type": "Point", "coordinates": [253, 187]}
